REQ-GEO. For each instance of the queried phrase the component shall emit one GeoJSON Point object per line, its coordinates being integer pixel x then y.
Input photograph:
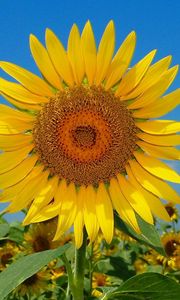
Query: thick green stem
{"type": "Point", "coordinates": [80, 254]}
{"type": "Point", "coordinates": [70, 276]}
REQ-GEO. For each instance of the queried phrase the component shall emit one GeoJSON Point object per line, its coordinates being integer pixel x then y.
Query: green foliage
{"type": "Point", "coordinates": [117, 263]}
{"type": "Point", "coordinates": [4, 230]}
{"type": "Point", "coordinates": [149, 235]}
{"type": "Point", "coordinates": [13, 232]}
{"type": "Point", "coordinates": [147, 286]}
{"type": "Point", "coordinates": [25, 267]}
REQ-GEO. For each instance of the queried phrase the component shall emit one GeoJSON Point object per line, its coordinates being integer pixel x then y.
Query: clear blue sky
{"type": "Point", "coordinates": [157, 24]}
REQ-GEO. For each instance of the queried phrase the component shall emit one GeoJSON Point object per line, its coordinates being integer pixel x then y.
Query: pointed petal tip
{"type": "Point", "coordinates": [33, 41]}
{"type": "Point", "coordinates": [74, 27]}
{"type": "Point", "coordinates": [153, 52]}
{"type": "Point", "coordinates": [26, 222]}
{"type": "Point", "coordinates": [31, 35]}
{"type": "Point", "coordinates": [111, 23]}
{"type": "Point", "coordinates": [133, 34]}
{"type": "Point", "coordinates": [48, 31]}
{"type": "Point", "coordinates": [88, 23]}
{"type": "Point", "coordinates": [169, 58]}
{"type": "Point", "coordinates": [176, 68]}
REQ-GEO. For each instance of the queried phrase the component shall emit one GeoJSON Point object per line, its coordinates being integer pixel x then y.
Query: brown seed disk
{"type": "Point", "coordinates": [85, 135]}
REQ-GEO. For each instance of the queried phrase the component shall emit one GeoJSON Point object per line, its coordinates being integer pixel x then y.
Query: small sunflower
{"type": "Point", "coordinates": [171, 244]}
{"type": "Point", "coordinates": [172, 211]}
{"type": "Point", "coordinates": [81, 141]}
{"type": "Point", "coordinates": [34, 285]}
{"type": "Point", "coordinates": [39, 237]}
{"type": "Point", "coordinates": [122, 236]}
{"type": "Point", "coordinates": [140, 266]}
{"type": "Point", "coordinates": [98, 280]}
{"type": "Point", "coordinates": [57, 272]}
{"type": "Point", "coordinates": [8, 251]}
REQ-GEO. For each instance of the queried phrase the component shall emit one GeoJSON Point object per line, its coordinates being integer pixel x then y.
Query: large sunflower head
{"type": "Point", "coordinates": [81, 141]}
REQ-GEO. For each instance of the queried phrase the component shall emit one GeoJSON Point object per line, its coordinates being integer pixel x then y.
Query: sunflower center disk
{"type": "Point", "coordinates": [85, 135]}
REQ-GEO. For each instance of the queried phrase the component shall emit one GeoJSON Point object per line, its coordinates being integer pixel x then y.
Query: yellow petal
{"type": "Point", "coordinates": [79, 220]}
{"type": "Point", "coordinates": [67, 212]}
{"type": "Point", "coordinates": [156, 186]}
{"type": "Point", "coordinates": [159, 127]}
{"type": "Point", "coordinates": [104, 213]}
{"type": "Point", "coordinates": [154, 202]}
{"type": "Point", "coordinates": [21, 105]}
{"type": "Point", "coordinates": [159, 107]}
{"type": "Point", "coordinates": [20, 93]}
{"type": "Point", "coordinates": [59, 57]}
{"type": "Point", "coordinates": [134, 76]}
{"type": "Point", "coordinates": [15, 175]}
{"type": "Point", "coordinates": [60, 192]}
{"type": "Point", "coordinates": [155, 91]}
{"type": "Point", "coordinates": [29, 80]}
{"type": "Point", "coordinates": [13, 121]}
{"type": "Point", "coordinates": [122, 206]}
{"type": "Point", "coordinates": [105, 52]}
{"type": "Point", "coordinates": [90, 218]}
{"type": "Point", "coordinates": [48, 212]}
{"type": "Point", "coordinates": [51, 210]}
{"type": "Point", "coordinates": [151, 77]}
{"type": "Point", "coordinates": [89, 52]}
{"type": "Point", "coordinates": [162, 140]}
{"type": "Point", "coordinates": [13, 126]}
{"type": "Point", "coordinates": [10, 193]}
{"type": "Point", "coordinates": [44, 63]}
{"type": "Point", "coordinates": [160, 152]}
{"type": "Point", "coordinates": [75, 54]}
{"type": "Point", "coordinates": [157, 167]}
{"type": "Point", "coordinates": [43, 198]}
{"type": "Point", "coordinates": [29, 192]}
{"type": "Point", "coordinates": [14, 142]}
{"type": "Point", "coordinates": [6, 111]}
{"type": "Point", "coordinates": [121, 60]}
{"type": "Point", "coordinates": [10, 160]}
{"type": "Point", "coordinates": [135, 199]}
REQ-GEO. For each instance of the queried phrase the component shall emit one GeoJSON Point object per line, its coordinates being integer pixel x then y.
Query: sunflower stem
{"type": "Point", "coordinates": [80, 254]}
{"type": "Point", "coordinates": [70, 276]}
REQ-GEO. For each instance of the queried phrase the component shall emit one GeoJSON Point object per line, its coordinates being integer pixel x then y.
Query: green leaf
{"type": "Point", "coordinates": [4, 229]}
{"type": "Point", "coordinates": [149, 235]}
{"type": "Point", "coordinates": [148, 286]}
{"type": "Point", "coordinates": [25, 267]}
{"type": "Point", "coordinates": [114, 266]}
{"type": "Point", "coordinates": [107, 291]}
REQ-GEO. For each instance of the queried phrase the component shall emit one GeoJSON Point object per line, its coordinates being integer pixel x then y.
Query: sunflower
{"type": "Point", "coordinates": [81, 142]}
{"type": "Point", "coordinates": [8, 251]}
{"type": "Point", "coordinates": [140, 266]}
{"type": "Point", "coordinates": [39, 237]}
{"type": "Point", "coordinates": [171, 244]}
{"type": "Point", "coordinates": [99, 280]}
{"type": "Point", "coordinates": [172, 211]}
{"type": "Point", "coordinates": [34, 285]}
{"type": "Point", "coordinates": [122, 236]}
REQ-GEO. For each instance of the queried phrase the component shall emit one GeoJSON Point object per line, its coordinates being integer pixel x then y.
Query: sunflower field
{"type": "Point", "coordinates": [132, 266]}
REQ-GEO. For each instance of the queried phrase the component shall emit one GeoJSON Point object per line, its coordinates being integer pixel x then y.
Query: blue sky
{"type": "Point", "coordinates": [157, 24]}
